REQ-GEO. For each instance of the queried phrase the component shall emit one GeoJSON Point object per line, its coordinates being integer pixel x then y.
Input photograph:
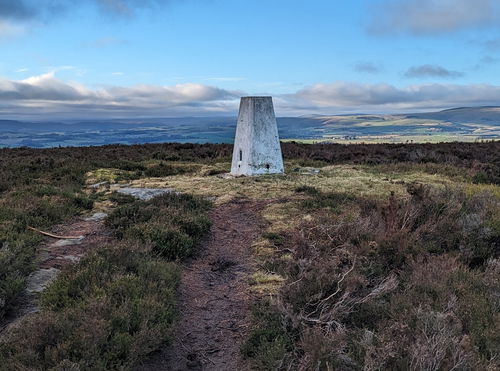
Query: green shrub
{"type": "Point", "coordinates": [194, 225]}
{"type": "Point", "coordinates": [105, 313]}
{"type": "Point", "coordinates": [127, 165]}
{"type": "Point", "coordinates": [270, 340]}
{"type": "Point", "coordinates": [171, 244]}
{"type": "Point", "coordinates": [276, 238]}
{"type": "Point", "coordinates": [162, 170]}
{"type": "Point", "coordinates": [83, 202]}
{"type": "Point", "coordinates": [173, 223]}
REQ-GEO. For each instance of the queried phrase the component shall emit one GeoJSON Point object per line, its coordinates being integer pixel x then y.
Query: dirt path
{"type": "Point", "coordinates": [215, 297]}
{"type": "Point", "coordinates": [54, 255]}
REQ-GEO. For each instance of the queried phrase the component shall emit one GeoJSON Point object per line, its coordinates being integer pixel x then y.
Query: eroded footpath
{"type": "Point", "coordinates": [215, 296]}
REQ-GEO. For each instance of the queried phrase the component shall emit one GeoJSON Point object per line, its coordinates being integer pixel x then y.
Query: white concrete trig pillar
{"type": "Point", "coordinates": [257, 149]}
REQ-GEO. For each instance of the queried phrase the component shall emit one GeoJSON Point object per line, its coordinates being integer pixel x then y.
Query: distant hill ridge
{"type": "Point", "coordinates": [469, 123]}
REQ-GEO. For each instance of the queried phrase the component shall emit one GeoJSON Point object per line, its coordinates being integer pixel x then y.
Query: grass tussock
{"type": "Point", "coordinates": [408, 283]}
{"type": "Point", "coordinates": [269, 343]}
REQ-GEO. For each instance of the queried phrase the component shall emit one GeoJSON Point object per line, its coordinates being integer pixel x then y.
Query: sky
{"type": "Point", "coordinates": [168, 58]}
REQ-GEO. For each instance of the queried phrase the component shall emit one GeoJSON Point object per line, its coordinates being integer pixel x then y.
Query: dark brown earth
{"type": "Point", "coordinates": [215, 296]}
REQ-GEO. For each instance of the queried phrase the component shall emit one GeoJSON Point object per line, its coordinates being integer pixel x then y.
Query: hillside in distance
{"type": "Point", "coordinates": [459, 124]}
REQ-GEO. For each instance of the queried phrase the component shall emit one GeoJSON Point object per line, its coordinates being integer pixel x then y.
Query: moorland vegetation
{"type": "Point", "coordinates": [387, 259]}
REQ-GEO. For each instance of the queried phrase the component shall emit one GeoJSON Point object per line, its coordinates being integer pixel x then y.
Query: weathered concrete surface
{"type": "Point", "coordinates": [257, 149]}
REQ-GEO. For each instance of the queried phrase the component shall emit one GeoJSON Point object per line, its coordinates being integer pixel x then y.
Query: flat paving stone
{"type": "Point", "coordinates": [69, 242]}
{"type": "Point", "coordinates": [40, 279]}
{"type": "Point", "coordinates": [145, 194]}
{"type": "Point", "coordinates": [96, 217]}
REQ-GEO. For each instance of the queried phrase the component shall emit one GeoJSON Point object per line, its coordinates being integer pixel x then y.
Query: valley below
{"type": "Point", "coordinates": [460, 124]}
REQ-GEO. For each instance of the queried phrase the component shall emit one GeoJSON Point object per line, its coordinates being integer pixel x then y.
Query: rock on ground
{"type": "Point", "coordinates": [145, 194]}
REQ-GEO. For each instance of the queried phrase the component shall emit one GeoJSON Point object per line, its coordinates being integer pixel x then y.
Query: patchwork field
{"type": "Point", "coordinates": [455, 125]}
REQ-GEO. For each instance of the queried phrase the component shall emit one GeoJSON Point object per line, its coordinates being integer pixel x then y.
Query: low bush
{"type": "Point", "coordinates": [171, 244]}
{"type": "Point", "coordinates": [118, 303]}
{"type": "Point", "coordinates": [401, 284]}
{"type": "Point", "coordinates": [275, 238]}
{"type": "Point", "coordinates": [121, 198]}
{"type": "Point", "coordinates": [105, 313]}
{"type": "Point", "coordinates": [164, 169]}
{"type": "Point", "coordinates": [172, 223]}
{"type": "Point", "coordinates": [270, 341]}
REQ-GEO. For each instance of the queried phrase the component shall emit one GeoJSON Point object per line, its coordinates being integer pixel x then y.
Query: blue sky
{"type": "Point", "coordinates": [122, 58]}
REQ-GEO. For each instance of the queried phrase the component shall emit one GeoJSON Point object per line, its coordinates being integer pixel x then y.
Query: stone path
{"type": "Point", "coordinates": [55, 254]}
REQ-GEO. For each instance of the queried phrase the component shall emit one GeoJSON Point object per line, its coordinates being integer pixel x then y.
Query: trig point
{"type": "Point", "coordinates": [257, 148]}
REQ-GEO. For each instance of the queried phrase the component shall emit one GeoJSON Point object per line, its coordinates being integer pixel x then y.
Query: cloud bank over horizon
{"type": "Point", "coordinates": [46, 97]}
{"type": "Point", "coordinates": [49, 96]}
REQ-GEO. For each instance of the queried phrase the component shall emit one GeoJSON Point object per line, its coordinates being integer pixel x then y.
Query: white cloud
{"type": "Point", "coordinates": [47, 96]}
{"type": "Point", "coordinates": [433, 16]}
{"type": "Point", "coordinates": [226, 79]}
{"type": "Point", "coordinates": [353, 97]}
{"type": "Point", "coordinates": [9, 29]}
{"type": "Point", "coordinates": [428, 70]}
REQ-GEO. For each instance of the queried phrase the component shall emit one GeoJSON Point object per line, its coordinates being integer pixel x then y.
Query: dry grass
{"type": "Point", "coordinates": [283, 216]}
{"type": "Point", "coordinates": [404, 283]}
{"type": "Point", "coordinates": [106, 175]}
{"type": "Point", "coordinates": [337, 178]}
{"type": "Point", "coordinates": [472, 189]}
{"type": "Point", "coordinates": [266, 283]}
